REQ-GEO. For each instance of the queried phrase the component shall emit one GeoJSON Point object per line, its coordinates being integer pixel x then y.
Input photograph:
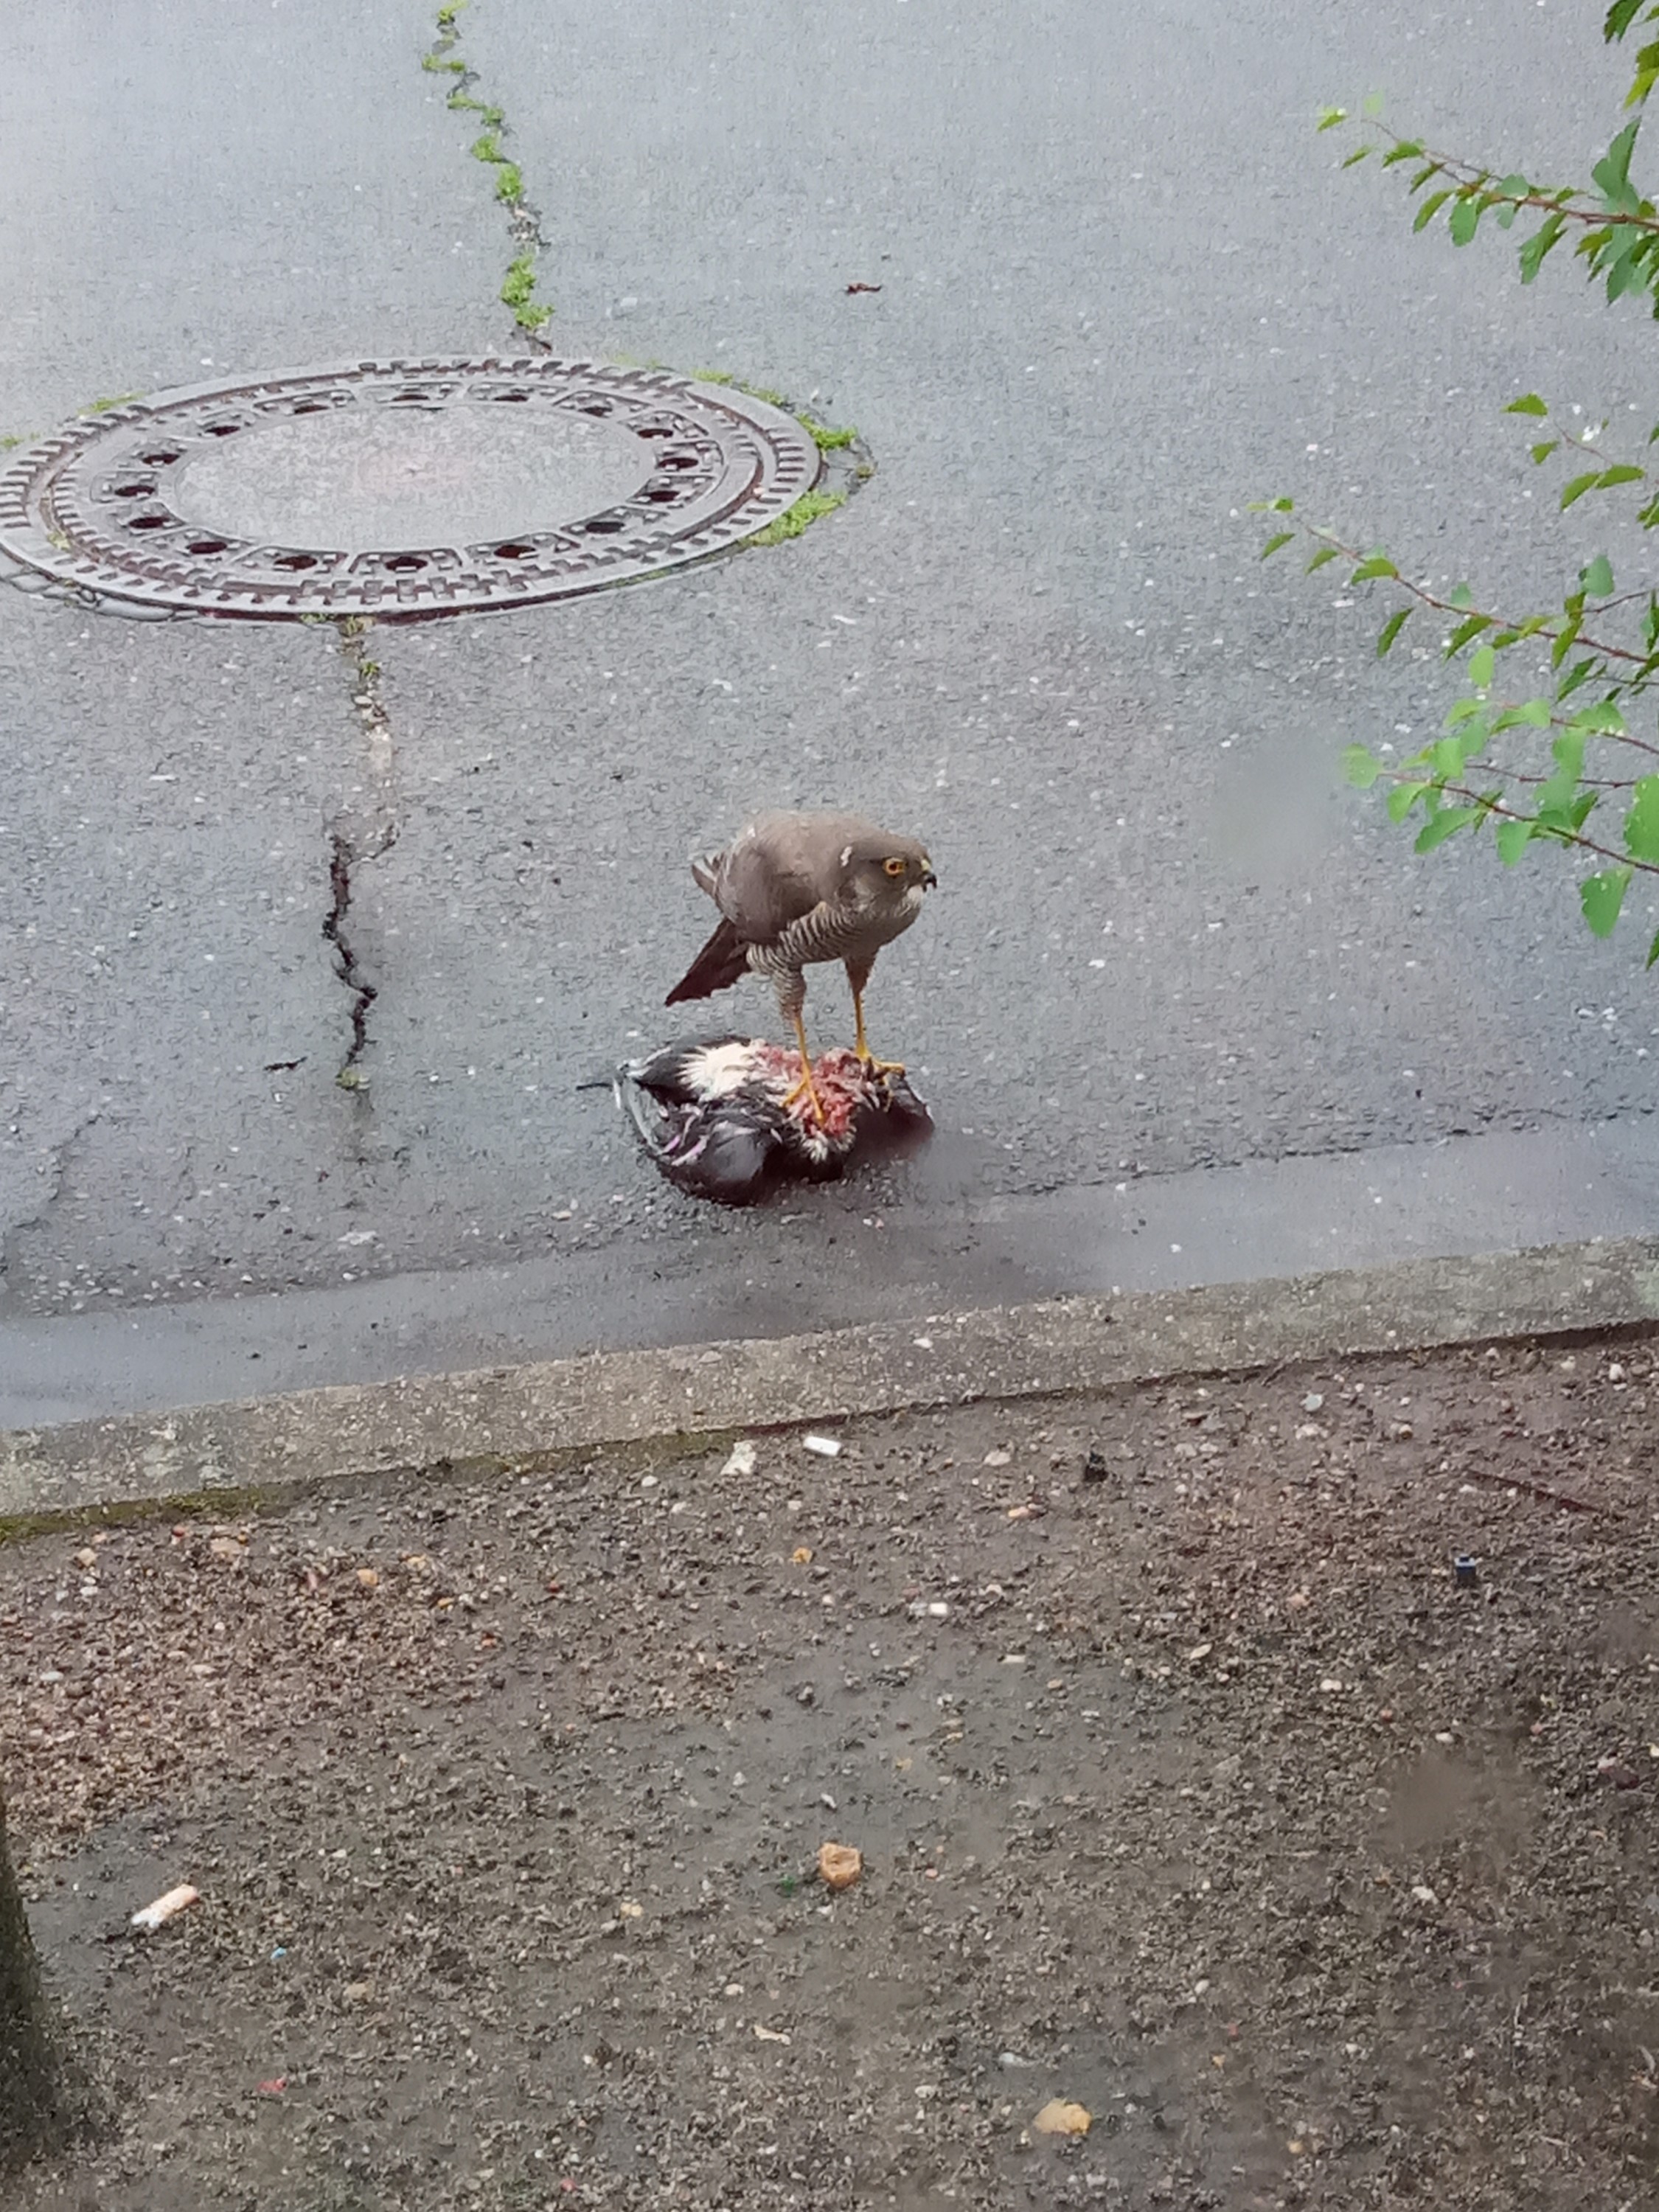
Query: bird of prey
{"type": "Point", "coordinates": [797, 888]}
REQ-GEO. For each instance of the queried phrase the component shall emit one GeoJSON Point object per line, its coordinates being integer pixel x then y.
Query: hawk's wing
{"type": "Point", "coordinates": [779, 868]}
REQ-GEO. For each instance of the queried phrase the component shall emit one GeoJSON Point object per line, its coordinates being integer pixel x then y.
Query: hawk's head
{"type": "Point", "coordinates": [880, 870]}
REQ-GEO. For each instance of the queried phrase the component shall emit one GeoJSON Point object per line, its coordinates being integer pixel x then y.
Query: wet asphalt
{"type": "Point", "coordinates": [1123, 292]}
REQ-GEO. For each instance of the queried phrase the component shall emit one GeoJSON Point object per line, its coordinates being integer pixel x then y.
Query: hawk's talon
{"type": "Point", "coordinates": [888, 1070]}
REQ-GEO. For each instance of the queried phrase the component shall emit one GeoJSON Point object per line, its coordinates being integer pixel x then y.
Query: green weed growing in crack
{"type": "Point", "coordinates": [811, 507]}
{"type": "Point", "coordinates": [531, 313]}
{"type": "Point", "coordinates": [826, 439]}
{"type": "Point", "coordinates": [518, 289]}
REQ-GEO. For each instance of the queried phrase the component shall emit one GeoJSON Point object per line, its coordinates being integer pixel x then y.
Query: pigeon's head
{"type": "Point", "coordinates": [878, 869]}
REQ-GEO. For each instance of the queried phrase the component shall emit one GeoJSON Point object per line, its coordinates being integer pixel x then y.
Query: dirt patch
{"type": "Point", "coordinates": [1191, 1789]}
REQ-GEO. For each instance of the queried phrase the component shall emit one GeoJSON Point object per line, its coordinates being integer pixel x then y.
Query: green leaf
{"type": "Point", "coordinates": [1460, 597]}
{"type": "Point", "coordinates": [1372, 104]}
{"type": "Point", "coordinates": [1597, 579]}
{"type": "Point", "coordinates": [1536, 712]}
{"type": "Point", "coordinates": [1447, 754]}
{"type": "Point", "coordinates": [1390, 630]}
{"type": "Point", "coordinates": [1325, 553]}
{"type": "Point", "coordinates": [1620, 474]}
{"type": "Point", "coordinates": [1429, 169]}
{"type": "Point", "coordinates": [1404, 797]}
{"type": "Point", "coordinates": [1620, 15]}
{"type": "Point", "coordinates": [1578, 486]}
{"type": "Point", "coordinates": [1568, 752]}
{"type": "Point", "coordinates": [1612, 171]}
{"type": "Point", "coordinates": [1542, 452]}
{"type": "Point", "coordinates": [1446, 824]}
{"type": "Point", "coordinates": [1465, 218]}
{"type": "Point", "coordinates": [1601, 720]}
{"type": "Point", "coordinates": [1330, 117]}
{"type": "Point", "coordinates": [1481, 665]}
{"type": "Point", "coordinates": [1280, 538]}
{"type": "Point", "coordinates": [1374, 564]}
{"type": "Point", "coordinates": [1641, 822]}
{"type": "Point", "coordinates": [1533, 249]}
{"type": "Point", "coordinates": [1602, 896]}
{"type": "Point", "coordinates": [1430, 208]}
{"type": "Point", "coordinates": [1529, 403]}
{"type": "Point", "coordinates": [1470, 628]}
{"type": "Point", "coordinates": [1653, 951]}
{"type": "Point", "coordinates": [1512, 839]}
{"type": "Point", "coordinates": [1361, 766]}
{"type": "Point", "coordinates": [1407, 149]}
{"type": "Point", "coordinates": [1359, 155]}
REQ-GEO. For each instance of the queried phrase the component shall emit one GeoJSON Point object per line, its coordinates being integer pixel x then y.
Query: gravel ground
{"type": "Point", "coordinates": [1191, 1789]}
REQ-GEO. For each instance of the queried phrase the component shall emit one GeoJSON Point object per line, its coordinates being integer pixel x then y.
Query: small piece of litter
{"type": "Point", "coordinates": [274, 2087]}
{"type": "Point", "coordinates": [1424, 1894]}
{"type": "Point", "coordinates": [938, 1610]}
{"type": "Point", "coordinates": [1313, 1402]}
{"type": "Point", "coordinates": [1057, 2118]}
{"type": "Point", "coordinates": [770, 2034]}
{"type": "Point", "coordinates": [825, 1447]}
{"type": "Point", "coordinates": [741, 1459]}
{"type": "Point", "coordinates": [801, 1556]}
{"type": "Point", "coordinates": [155, 1916]}
{"type": "Point", "coordinates": [839, 1865]}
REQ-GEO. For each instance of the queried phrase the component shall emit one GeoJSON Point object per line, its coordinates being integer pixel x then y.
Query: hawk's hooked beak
{"type": "Point", "coordinates": [929, 880]}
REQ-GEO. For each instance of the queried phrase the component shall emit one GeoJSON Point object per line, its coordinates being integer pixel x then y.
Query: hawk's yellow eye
{"type": "Point", "coordinates": [894, 867]}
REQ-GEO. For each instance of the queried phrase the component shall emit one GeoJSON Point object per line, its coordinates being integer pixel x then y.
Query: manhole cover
{"type": "Point", "coordinates": [401, 487]}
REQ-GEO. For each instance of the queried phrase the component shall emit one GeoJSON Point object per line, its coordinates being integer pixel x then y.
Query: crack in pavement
{"type": "Point", "coordinates": [56, 1168]}
{"type": "Point", "coordinates": [356, 839]}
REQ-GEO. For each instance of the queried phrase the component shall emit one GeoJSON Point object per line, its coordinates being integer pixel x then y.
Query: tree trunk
{"type": "Point", "coordinates": [32, 2089]}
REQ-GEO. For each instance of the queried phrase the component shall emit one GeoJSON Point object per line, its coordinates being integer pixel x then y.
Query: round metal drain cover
{"type": "Point", "coordinates": [401, 487]}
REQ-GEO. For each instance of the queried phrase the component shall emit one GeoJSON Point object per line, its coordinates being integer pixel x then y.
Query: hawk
{"type": "Point", "coordinates": [794, 890]}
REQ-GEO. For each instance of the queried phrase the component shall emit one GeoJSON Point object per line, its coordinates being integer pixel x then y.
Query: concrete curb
{"type": "Point", "coordinates": [539, 1413]}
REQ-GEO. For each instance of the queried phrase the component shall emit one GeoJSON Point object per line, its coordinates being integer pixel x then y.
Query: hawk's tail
{"type": "Point", "coordinates": [722, 960]}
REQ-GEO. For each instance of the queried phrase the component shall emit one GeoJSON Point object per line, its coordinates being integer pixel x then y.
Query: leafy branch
{"type": "Point", "coordinates": [1535, 769]}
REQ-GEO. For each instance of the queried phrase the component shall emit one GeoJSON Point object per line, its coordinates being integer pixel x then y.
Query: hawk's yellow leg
{"type": "Point", "coordinates": [861, 1044]}
{"type": "Point", "coordinates": [805, 1088]}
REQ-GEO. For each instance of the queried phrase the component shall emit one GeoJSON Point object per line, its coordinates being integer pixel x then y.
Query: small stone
{"type": "Point", "coordinates": [367, 1577]}
{"type": "Point", "coordinates": [741, 1458]}
{"type": "Point", "coordinates": [938, 1610]}
{"type": "Point", "coordinates": [997, 1458]}
{"type": "Point", "coordinates": [1058, 2118]}
{"type": "Point", "coordinates": [1424, 1894]}
{"type": "Point", "coordinates": [358, 1992]}
{"type": "Point", "coordinates": [1313, 1402]}
{"type": "Point", "coordinates": [1095, 1468]}
{"type": "Point", "coordinates": [801, 1556]}
{"type": "Point", "coordinates": [839, 1865]}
